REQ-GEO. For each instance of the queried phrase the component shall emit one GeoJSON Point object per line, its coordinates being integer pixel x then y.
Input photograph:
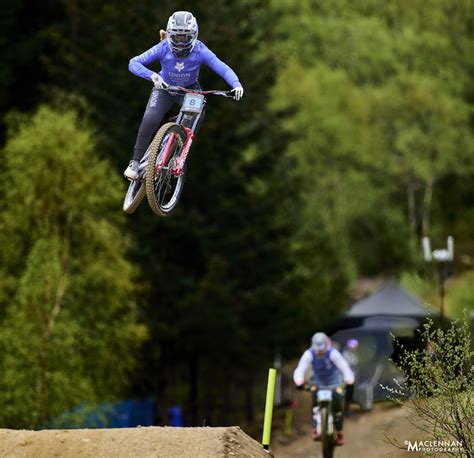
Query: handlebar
{"type": "Point", "coordinates": [179, 89]}
{"type": "Point", "coordinates": [313, 387]}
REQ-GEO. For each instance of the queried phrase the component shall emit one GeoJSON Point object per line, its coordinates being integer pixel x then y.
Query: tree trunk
{"type": "Point", "coordinates": [227, 406]}
{"type": "Point", "coordinates": [50, 321]}
{"type": "Point", "coordinates": [249, 404]}
{"type": "Point", "coordinates": [427, 208]}
{"type": "Point", "coordinates": [209, 401]}
{"type": "Point", "coordinates": [411, 207]}
{"type": "Point", "coordinates": [193, 388]}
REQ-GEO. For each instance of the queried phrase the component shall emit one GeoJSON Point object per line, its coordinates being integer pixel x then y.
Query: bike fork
{"type": "Point", "coordinates": [166, 153]}
{"type": "Point", "coordinates": [317, 417]}
{"type": "Point", "coordinates": [330, 419]}
{"type": "Point", "coordinates": [184, 154]}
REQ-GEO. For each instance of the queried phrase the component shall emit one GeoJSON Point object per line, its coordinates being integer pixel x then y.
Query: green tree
{"type": "Point", "coordinates": [439, 381]}
{"type": "Point", "coordinates": [423, 135]}
{"type": "Point", "coordinates": [461, 298]}
{"type": "Point", "coordinates": [68, 326]}
{"type": "Point", "coordinates": [289, 193]}
{"type": "Point", "coordinates": [378, 106]}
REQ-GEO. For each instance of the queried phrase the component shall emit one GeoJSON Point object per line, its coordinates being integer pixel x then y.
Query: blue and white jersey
{"type": "Point", "coordinates": [327, 369]}
{"type": "Point", "coordinates": [325, 372]}
{"type": "Point", "coordinates": [181, 71]}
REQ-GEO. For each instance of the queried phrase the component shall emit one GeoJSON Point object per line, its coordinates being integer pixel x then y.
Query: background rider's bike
{"type": "Point", "coordinates": [323, 415]}
{"type": "Point", "coordinates": [162, 170]}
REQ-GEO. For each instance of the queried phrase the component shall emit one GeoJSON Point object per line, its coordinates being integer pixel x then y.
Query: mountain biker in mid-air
{"type": "Point", "coordinates": [329, 366]}
{"type": "Point", "coordinates": [181, 55]}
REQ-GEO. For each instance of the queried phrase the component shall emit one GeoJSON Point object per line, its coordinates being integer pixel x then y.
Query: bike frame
{"type": "Point", "coordinates": [324, 397]}
{"type": "Point", "coordinates": [190, 120]}
{"type": "Point", "coordinates": [161, 150]}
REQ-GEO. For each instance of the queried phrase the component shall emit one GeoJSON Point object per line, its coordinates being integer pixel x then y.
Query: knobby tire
{"type": "Point", "coordinates": [154, 178]}
{"type": "Point", "coordinates": [327, 440]}
{"type": "Point", "coordinates": [134, 197]}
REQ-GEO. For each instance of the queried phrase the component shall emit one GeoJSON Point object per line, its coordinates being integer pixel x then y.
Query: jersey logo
{"type": "Point", "coordinates": [179, 66]}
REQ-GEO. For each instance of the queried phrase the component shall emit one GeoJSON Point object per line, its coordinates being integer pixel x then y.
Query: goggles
{"type": "Point", "coordinates": [181, 39]}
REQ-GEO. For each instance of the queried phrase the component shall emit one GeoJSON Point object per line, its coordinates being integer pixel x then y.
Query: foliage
{"type": "Point", "coordinates": [378, 114]}
{"type": "Point", "coordinates": [68, 326]}
{"type": "Point", "coordinates": [461, 297]}
{"type": "Point", "coordinates": [440, 382]}
{"type": "Point", "coordinates": [459, 291]}
{"type": "Point", "coordinates": [353, 139]}
{"type": "Point", "coordinates": [422, 287]}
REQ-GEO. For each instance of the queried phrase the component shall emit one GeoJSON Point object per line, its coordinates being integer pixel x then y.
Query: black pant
{"type": "Point", "coordinates": [349, 397]}
{"type": "Point", "coordinates": [158, 105]}
{"type": "Point", "coordinates": [337, 408]}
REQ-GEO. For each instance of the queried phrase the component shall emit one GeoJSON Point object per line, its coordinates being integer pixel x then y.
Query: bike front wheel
{"type": "Point", "coordinates": [134, 196]}
{"type": "Point", "coordinates": [163, 185]}
{"type": "Point", "coordinates": [327, 438]}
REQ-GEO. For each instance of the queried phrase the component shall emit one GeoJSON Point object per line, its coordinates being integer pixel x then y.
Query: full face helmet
{"type": "Point", "coordinates": [182, 32]}
{"type": "Point", "coordinates": [320, 343]}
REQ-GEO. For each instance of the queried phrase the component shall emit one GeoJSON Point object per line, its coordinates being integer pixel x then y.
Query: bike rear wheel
{"type": "Point", "coordinates": [327, 438]}
{"type": "Point", "coordinates": [163, 187]}
{"type": "Point", "coordinates": [133, 198]}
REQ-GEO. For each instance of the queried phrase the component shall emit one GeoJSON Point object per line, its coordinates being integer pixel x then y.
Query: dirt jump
{"type": "Point", "coordinates": [163, 442]}
{"type": "Point", "coordinates": [364, 438]}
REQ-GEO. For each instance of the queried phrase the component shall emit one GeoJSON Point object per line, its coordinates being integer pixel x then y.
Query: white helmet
{"type": "Point", "coordinates": [320, 342]}
{"type": "Point", "coordinates": [182, 32]}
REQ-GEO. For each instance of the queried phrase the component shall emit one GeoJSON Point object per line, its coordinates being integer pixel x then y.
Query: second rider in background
{"type": "Point", "coordinates": [350, 355]}
{"type": "Point", "coordinates": [181, 55]}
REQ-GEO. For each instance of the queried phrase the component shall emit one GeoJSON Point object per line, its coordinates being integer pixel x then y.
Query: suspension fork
{"type": "Point", "coordinates": [166, 153]}
{"type": "Point", "coordinates": [330, 424]}
{"type": "Point", "coordinates": [178, 169]}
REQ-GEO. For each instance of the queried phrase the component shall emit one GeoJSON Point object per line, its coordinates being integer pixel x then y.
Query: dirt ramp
{"type": "Point", "coordinates": [139, 442]}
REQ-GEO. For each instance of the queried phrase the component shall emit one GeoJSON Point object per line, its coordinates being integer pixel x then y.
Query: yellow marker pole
{"type": "Point", "coordinates": [267, 424]}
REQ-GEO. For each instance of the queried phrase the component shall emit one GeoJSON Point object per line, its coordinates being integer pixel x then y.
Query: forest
{"type": "Point", "coordinates": [354, 139]}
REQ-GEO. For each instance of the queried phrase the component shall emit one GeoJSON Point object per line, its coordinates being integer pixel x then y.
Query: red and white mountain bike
{"type": "Point", "coordinates": [162, 170]}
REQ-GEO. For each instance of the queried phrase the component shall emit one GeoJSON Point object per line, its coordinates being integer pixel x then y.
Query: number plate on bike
{"type": "Point", "coordinates": [193, 103]}
{"type": "Point", "coordinates": [324, 395]}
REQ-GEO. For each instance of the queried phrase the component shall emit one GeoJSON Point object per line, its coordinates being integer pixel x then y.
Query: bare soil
{"type": "Point", "coordinates": [364, 433]}
{"type": "Point", "coordinates": [166, 442]}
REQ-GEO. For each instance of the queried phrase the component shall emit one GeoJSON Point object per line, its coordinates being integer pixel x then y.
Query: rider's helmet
{"type": "Point", "coordinates": [181, 33]}
{"type": "Point", "coordinates": [352, 344]}
{"type": "Point", "coordinates": [320, 343]}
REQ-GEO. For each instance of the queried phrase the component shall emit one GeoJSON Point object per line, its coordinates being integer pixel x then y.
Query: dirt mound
{"type": "Point", "coordinates": [138, 442]}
